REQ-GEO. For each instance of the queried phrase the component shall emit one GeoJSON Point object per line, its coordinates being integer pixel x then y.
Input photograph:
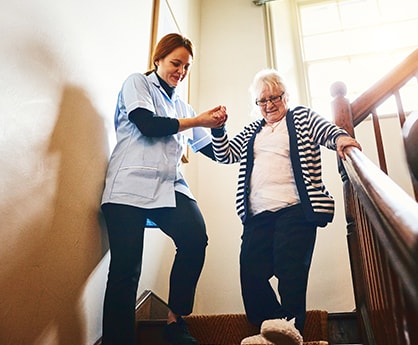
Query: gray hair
{"type": "Point", "coordinates": [266, 78]}
{"type": "Point", "coordinates": [269, 78]}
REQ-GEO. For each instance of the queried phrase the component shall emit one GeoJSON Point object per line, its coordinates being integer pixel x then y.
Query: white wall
{"type": "Point", "coordinates": [233, 50]}
{"type": "Point", "coordinates": [61, 65]}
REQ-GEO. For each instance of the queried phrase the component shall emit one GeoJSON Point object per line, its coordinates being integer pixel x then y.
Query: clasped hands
{"type": "Point", "coordinates": [213, 118]}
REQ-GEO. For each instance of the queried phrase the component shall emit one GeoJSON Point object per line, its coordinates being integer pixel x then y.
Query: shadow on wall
{"type": "Point", "coordinates": [60, 244]}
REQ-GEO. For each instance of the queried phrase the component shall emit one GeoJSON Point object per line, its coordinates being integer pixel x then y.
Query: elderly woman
{"type": "Point", "coordinates": [281, 200]}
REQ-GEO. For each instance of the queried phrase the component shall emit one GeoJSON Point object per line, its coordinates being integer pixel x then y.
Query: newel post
{"type": "Point", "coordinates": [341, 107]}
{"type": "Point", "coordinates": [341, 112]}
{"type": "Point", "coordinates": [342, 115]}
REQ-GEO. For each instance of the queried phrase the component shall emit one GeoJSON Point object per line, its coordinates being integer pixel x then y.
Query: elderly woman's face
{"type": "Point", "coordinates": [272, 103]}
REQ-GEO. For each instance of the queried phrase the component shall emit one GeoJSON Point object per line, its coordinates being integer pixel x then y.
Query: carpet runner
{"type": "Point", "coordinates": [230, 329]}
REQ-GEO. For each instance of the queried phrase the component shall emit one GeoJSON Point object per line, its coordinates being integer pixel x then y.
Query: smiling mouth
{"type": "Point", "coordinates": [176, 78]}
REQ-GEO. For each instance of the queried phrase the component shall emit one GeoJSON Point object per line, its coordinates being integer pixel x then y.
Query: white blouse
{"type": "Point", "coordinates": [272, 184]}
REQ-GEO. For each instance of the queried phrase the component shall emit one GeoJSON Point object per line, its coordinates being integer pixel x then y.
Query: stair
{"type": "Point", "coordinates": [321, 328]}
{"type": "Point", "coordinates": [343, 328]}
{"type": "Point", "coordinates": [230, 329]}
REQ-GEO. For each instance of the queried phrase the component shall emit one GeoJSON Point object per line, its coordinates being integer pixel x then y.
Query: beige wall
{"type": "Point", "coordinates": [233, 50]}
{"type": "Point", "coordinates": [61, 66]}
{"type": "Point", "coordinates": [230, 62]}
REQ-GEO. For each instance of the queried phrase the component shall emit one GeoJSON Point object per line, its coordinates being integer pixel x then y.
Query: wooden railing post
{"type": "Point", "coordinates": [341, 109]}
{"type": "Point", "coordinates": [382, 231]}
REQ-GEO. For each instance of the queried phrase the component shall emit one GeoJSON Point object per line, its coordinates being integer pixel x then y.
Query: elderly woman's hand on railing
{"type": "Point", "coordinates": [344, 141]}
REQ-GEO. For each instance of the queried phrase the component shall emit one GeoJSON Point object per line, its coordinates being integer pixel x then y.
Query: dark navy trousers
{"type": "Point", "coordinates": [276, 244]}
{"type": "Point", "coordinates": [184, 224]}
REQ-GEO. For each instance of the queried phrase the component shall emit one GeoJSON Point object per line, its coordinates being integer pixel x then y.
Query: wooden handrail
{"type": "Point", "coordinates": [384, 88]}
{"type": "Point", "coordinates": [396, 211]}
{"type": "Point", "coordinates": [383, 243]}
{"type": "Point", "coordinates": [382, 219]}
{"type": "Point", "coordinates": [399, 210]}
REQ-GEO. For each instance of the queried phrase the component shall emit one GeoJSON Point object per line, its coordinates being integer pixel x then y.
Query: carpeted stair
{"type": "Point", "coordinates": [321, 327]}
{"type": "Point", "coordinates": [218, 329]}
{"type": "Point", "coordinates": [230, 329]}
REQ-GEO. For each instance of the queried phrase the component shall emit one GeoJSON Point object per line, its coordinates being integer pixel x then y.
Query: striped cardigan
{"type": "Point", "coordinates": [307, 131]}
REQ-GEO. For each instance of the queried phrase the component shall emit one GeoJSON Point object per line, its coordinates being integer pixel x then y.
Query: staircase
{"type": "Point", "coordinates": [382, 235]}
{"type": "Point", "coordinates": [382, 217]}
{"type": "Point", "coordinates": [229, 329]}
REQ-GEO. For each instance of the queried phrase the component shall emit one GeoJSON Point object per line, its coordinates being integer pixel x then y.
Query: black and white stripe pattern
{"type": "Point", "coordinates": [307, 131]}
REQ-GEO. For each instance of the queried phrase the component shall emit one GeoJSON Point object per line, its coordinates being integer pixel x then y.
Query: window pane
{"type": "Point", "coordinates": [323, 46]}
{"type": "Point", "coordinates": [319, 18]}
{"type": "Point", "coordinates": [354, 41]}
{"type": "Point", "coordinates": [398, 10]}
{"type": "Point", "coordinates": [358, 13]}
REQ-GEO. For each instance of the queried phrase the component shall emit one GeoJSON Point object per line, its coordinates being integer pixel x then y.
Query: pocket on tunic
{"type": "Point", "coordinates": [137, 180]}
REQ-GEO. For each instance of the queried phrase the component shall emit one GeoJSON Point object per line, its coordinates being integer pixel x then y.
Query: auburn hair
{"type": "Point", "coordinates": [167, 44]}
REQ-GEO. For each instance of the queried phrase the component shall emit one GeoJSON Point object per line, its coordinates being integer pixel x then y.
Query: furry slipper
{"type": "Point", "coordinates": [256, 340]}
{"type": "Point", "coordinates": [281, 331]}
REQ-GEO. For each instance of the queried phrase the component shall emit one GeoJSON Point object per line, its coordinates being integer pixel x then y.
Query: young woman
{"type": "Point", "coordinates": [144, 181]}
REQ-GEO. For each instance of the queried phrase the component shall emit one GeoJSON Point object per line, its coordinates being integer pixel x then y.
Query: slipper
{"type": "Point", "coordinates": [281, 331]}
{"type": "Point", "coordinates": [256, 340]}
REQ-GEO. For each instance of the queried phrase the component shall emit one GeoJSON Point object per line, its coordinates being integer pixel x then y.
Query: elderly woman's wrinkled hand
{"type": "Point", "coordinates": [213, 118]}
{"type": "Point", "coordinates": [220, 116]}
{"type": "Point", "coordinates": [344, 141]}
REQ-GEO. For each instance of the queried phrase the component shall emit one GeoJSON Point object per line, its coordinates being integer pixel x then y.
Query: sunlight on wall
{"type": "Point", "coordinates": [61, 68]}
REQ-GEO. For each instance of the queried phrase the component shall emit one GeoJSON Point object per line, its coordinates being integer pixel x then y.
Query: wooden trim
{"type": "Point", "coordinates": [154, 31]}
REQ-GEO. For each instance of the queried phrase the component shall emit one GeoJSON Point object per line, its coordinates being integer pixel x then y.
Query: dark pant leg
{"type": "Point", "coordinates": [256, 268]}
{"type": "Point", "coordinates": [294, 243]}
{"type": "Point", "coordinates": [185, 225]}
{"type": "Point", "coordinates": [125, 226]}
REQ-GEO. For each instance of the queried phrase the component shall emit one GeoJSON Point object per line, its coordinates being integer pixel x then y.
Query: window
{"type": "Point", "coordinates": [354, 41]}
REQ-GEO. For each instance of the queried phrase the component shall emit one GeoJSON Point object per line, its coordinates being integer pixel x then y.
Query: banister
{"type": "Point", "coordinates": [393, 205]}
{"type": "Point", "coordinates": [391, 295]}
{"type": "Point", "coordinates": [382, 219]}
{"type": "Point", "coordinates": [384, 88]}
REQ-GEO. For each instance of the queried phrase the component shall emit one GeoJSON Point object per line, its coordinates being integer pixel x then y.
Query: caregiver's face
{"type": "Point", "coordinates": [174, 67]}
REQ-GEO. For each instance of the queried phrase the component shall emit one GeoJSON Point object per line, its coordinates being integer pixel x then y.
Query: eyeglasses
{"type": "Point", "coordinates": [273, 99]}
